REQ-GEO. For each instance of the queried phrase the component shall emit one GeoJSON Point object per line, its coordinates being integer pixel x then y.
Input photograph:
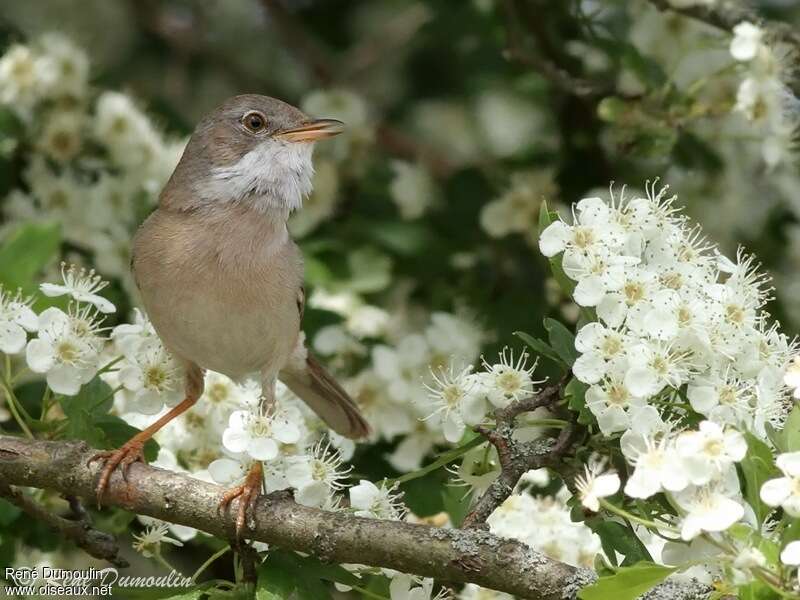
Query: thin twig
{"type": "Point", "coordinates": [92, 541]}
{"type": "Point", "coordinates": [517, 51]}
{"type": "Point", "coordinates": [516, 458]}
{"type": "Point", "coordinates": [727, 14]}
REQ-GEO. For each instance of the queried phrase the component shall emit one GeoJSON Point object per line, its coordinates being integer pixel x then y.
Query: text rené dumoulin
{"type": "Point", "coordinates": [109, 576]}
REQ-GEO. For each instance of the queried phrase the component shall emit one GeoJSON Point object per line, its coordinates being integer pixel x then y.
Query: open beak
{"type": "Point", "coordinates": [312, 131]}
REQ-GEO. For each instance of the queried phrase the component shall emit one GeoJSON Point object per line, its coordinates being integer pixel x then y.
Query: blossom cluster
{"type": "Point", "coordinates": [96, 161]}
{"type": "Point", "coordinates": [544, 524]}
{"type": "Point", "coordinates": [392, 390]}
{"type": "Point", "coordinates": [763, 96]}
{"type": "Point", "coordinates": [677, 323]}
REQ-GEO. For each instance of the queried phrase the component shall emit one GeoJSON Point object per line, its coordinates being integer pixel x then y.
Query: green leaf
{"type": "Point", "coordinates": [757, 467]}
{"type": "Point", "coordinates": [562, 340]}
{"type": "Point", "coordinates": [456, 503]}
{"type": "Point", "coordinates": [26, 252]}
{"type": "Point", "coordinates": [96, 396]}
{"type": "Point", "coordinates": [544, 217]}
{"type": "Point", "coordinates": [565, 283]}
{"type": "Point", "coordinates": [8, 512]}
{"type": "Point", "coordinates": [756, 591]}
{"type": "Point", "coordinates": [80, 426]}
{"type": "Point", "coordinates": [540, 347]}
{"type": "Point", "coordinates": [286, 575]}
{"type": "Point", "coordinates": [615, 537]}
{"type": "Point", "coordinates": [115, 432]}
{"type": "Point", "coordinates": [87, 420]}
{"type": "Point", "coordinates": [792, 532]}
{"type": "Point", "coordinates": [627, 583]}
{"type": "Point", "coordinates": [575, 393]}
{"type": "Point", "coordinates": [791, 431]}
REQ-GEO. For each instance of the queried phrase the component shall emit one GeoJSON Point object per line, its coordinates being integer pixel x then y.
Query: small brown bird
{"type": "Point", "coordinates": [220, 277]}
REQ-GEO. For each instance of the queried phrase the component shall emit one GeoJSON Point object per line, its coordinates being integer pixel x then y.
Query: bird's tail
{"type": "Point", "coordinates": [309, 380]}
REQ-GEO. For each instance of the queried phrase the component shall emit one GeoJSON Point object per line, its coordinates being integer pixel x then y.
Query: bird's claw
{"type": "Point", "coordinates": [247, 493]}
{"type": "Point", "coordinates": [129, 453]}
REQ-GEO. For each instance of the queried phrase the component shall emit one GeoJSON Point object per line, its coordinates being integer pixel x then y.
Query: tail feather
{"type": "Point", "coordinates": [317, 388]}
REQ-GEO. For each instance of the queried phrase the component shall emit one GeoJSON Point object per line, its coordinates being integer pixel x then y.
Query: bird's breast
{"type": "Point", "coordinates": [221, 290]}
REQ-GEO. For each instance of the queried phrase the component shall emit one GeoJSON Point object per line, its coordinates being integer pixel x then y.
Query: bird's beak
{"type": "Point", "coordinates": [312, 131]}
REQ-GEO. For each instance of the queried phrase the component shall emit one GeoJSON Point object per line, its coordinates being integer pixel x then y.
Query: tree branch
{"type": "Point", "coordinates": [517, 51]}
{"type": "Point", "coordinates": [516, 458]}
{"type": "Point", "coordinates": [726, 14]}
{"type": "Point", "coordinates": [454, 555]}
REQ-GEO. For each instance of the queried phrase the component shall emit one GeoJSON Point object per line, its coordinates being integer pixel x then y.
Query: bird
{"type": "Point", "coordinates": [220, 277]}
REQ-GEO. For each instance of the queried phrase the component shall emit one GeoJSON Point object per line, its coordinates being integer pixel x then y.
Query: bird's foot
{"type": "Point", "coordinates": [247, 493]}
{"type": "Point", "coordinates": [130, 452]}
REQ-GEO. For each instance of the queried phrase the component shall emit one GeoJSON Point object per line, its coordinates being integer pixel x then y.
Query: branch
{"type": "Point", "coordinates": [94, 542]}
{"type": "Point", "coordinates": [726, 14]}
{"type": "Point", "coordinates": [517, 458]}
{"type": "Point", "coordinates": [559, 77]}
{"type": "Point", "coordinates": [454, 555]}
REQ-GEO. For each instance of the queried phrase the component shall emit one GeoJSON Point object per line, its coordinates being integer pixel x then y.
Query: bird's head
{"type": "Point", "coordinates": [251, 149]}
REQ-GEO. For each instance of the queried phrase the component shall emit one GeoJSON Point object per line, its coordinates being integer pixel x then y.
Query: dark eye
{"type": "Point", "coordinates": [254, 121]}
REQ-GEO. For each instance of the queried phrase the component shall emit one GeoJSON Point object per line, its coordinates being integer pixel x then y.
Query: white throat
{"type": "Point", "coordinates": [273, 175]}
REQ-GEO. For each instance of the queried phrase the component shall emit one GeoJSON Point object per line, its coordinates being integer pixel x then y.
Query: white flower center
{"type": "Point", "coordinates": [509, 381]}
{"type": "Point", "coordinates": [259, 426]}
{"type": "Point", "coordinates": [155, 378]}
{"type": "Point", "coordinates": [583, 237]}
{"type": "Point", "coordinates": [452, 394]}
{"type": "Point", "coordinates": [67, 352]}
{"type": "Point", "coordinates": [634, 292]}
{"type": "Point", "coordinates": [713, 448]}
{"type": "Point", "coordinates": [618, 394]}
{"type": "Point", "coordinates": [611, 346]}
{"type": "Point", "coordinates": [672, 280]}
{"type": "Point", "coordinates": [734, 314]}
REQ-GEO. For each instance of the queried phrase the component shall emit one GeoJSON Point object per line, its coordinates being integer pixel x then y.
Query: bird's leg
{"type": "Point", "coordinates": [247, 493]}
{"type": "Point", "coordinates": [133, 450]}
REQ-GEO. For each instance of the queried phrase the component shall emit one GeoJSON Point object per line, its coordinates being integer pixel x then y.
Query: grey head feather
{"type": "Point", "coordinates": [224, 162]}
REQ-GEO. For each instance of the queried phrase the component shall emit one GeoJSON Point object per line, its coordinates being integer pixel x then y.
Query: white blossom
{"type": "Point", "coordinates": [153, 377]}
{"type": "Point", "coordinates": [458, 399]}
{"type": "Point", "coordinates": [375, 502]}
{"type": "Point", "coordinates": [784, 491]}
{"type": "Point", "coordinates": [747, 41]}
{"type": "Point", "coordinates": [82, 285]}
{"type": "Point", "coordinates": [508, 380]}
{"type": "Point", "coordinates": [66, 349]}
{"type": "Point", "coordinates": [259, 434]}
{"type": "Point", "coordinates": [148, 543]}
{"type": "Point", "coordinates": [595, 484]}
{"type": "Point", "coordinates": [16, 320]}
{"type": "Point", "coordinates": [710, 451]}
{"type": "Point", "coordinates": [316, 476]}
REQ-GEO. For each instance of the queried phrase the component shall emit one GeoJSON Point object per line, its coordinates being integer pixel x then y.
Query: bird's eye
{"type": "Point", "coordinates": [254, 121]}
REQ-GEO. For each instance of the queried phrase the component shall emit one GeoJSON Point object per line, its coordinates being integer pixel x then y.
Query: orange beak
{"type": "Point", "coordinates": [312, 131]}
